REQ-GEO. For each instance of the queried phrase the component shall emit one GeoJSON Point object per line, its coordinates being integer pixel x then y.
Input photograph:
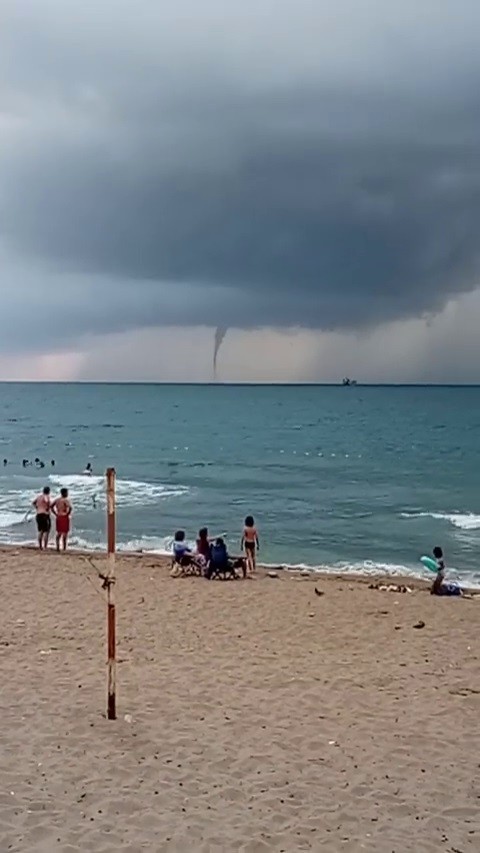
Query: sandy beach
{"type": "Point", "coordinates": [253, 715]}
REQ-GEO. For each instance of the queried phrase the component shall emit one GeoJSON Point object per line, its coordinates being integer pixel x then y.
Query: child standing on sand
{"type": "Point", "coordinates": [250, 543]}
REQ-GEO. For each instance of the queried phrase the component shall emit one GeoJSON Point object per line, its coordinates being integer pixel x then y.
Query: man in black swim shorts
{"type": "Point", "coordinates": [44, 523]}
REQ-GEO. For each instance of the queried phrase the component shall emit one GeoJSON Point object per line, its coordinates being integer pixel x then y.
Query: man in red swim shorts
{"type": "Point", "coordinates": [62, 510]}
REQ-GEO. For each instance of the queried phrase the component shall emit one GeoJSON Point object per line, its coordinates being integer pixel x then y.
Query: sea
{"type": "Point", "coordinates": [347, 479]}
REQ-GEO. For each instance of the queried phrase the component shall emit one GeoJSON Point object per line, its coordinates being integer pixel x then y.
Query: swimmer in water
{"type": "Point", "coordinates": [88, 469]}
{"type": "Point", "coordinates": [5, 463]}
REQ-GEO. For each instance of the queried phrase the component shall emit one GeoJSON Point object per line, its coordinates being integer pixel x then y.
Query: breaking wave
{"type": "Point", "coordinates": [463, 521]}
{"type": "Point", "coordinates": [86, 493]}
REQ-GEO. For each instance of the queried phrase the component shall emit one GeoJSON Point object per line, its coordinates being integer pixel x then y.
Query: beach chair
{"type": "Point", "coordinates": [225, 571]}
{"type": "Point", "coordinates": [187, 566]}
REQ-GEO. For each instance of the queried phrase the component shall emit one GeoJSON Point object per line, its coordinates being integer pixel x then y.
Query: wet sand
{"type": "Point", "coordinates": [253, 715]}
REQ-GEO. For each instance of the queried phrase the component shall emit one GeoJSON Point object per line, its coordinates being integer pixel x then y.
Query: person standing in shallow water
{"type": "Point", "coordinates": [43, 507]}
{"type": "Point", "coordinates": [62, 510]}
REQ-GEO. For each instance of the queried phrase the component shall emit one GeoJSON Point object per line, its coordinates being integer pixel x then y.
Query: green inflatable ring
{"type": "Point", "coordinates": [429, 563]}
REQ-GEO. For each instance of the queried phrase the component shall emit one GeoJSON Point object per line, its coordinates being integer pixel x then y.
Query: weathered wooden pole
{"type": "Point", "coordinates": [110, 586]}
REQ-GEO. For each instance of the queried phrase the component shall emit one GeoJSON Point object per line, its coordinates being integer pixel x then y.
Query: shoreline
{"type": "Point", "coordinates": [163, 562]}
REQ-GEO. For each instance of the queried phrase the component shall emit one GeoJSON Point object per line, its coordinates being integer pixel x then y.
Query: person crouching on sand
{"type": "Point", "coordinates": [42, 504]}
{"type": "Point", "coordinates": [441, 586]}
{"type": "Point", "coordinates": [62, 509]}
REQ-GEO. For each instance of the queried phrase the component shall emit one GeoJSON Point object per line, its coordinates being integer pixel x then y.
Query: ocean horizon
{"type": "Point", "coordinates": [363, 479]}
{"type": "Point", "coordinates": [241, 384]}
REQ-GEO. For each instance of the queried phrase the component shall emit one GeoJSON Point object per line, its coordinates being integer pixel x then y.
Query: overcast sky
{"type": "Point", "coordinates": [301, 172]}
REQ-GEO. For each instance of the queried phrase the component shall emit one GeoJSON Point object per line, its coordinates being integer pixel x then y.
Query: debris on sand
{"type": "Point", "coordinates": [390, 587]}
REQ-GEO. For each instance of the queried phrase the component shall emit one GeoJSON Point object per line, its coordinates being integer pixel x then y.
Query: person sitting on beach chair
{"type": "Point", "coordinates": [184, 561]}
{"type": "Point", "coordinates": [221, 565]}
{"type": "Point", "coordinates": [204, 545]}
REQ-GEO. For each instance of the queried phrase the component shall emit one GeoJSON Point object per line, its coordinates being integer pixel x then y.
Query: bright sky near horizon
{"type": "Point", "coordinates": [305, 174]}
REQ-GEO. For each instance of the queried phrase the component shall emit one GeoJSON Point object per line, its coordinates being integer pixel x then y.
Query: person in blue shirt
{"type": "Point", "coordinates": [180, 546]}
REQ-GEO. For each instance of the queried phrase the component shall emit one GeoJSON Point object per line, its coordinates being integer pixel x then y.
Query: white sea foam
{"type": "Point", "coordinates": [84, 490]}
{"type": "Point", "coordinates": [462, 520]}
{"type": "Point", "coordinates": [158, 545]}
{"type": "Point", "coordinates": [369, 568]}
{"type": "Point", "coordinates": [78, 543]}
{"type": "Point", "coordinates": [365, 568]}
{"type": "Point", "coordinates": [10, 519]}
{"type": "Point", "coordinates": [87, 493]}
{"type": "Point", "coordinates": [149, 544]}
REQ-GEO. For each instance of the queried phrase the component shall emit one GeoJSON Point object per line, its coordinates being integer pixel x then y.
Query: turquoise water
{"type": "Point", "coordinates": [360, 478]}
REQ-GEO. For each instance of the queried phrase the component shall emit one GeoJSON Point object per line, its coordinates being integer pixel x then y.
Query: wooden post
{"type": "Point", "coordinates": [110, 586]}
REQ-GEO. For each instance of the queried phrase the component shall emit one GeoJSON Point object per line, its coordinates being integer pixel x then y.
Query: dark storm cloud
{"type": "Point", "coordinates": [274, 163]}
